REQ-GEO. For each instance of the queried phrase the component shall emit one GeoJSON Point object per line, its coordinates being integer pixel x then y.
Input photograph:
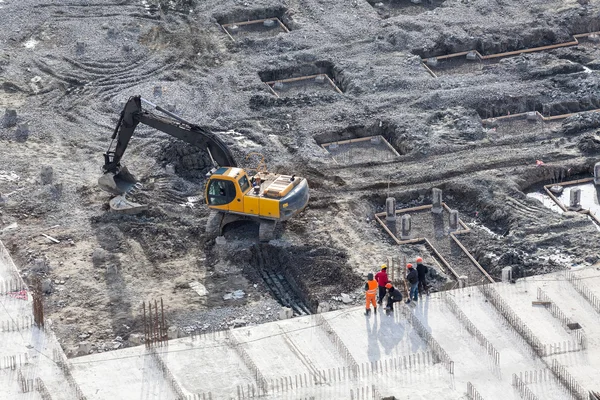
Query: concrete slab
{"type": "Point", "coordinates": [519, 297]}
{"type": "Point", "coordinates": [131, 373]}
{"type": "Point", "coordinates": [195, 363]}
{"type": "Point", "coordinates": [375, 337]}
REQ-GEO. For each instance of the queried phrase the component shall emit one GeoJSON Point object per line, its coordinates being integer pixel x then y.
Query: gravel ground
{"type": "Point", "coordinates": [68, 67]}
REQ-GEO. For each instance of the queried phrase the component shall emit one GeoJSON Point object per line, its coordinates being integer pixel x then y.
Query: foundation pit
{"type": "Point", "coordinates": [260, 28]}
{"type": "Point", "coordinates": [371, 148]}
{"type": "Point", "coordinates": [392, 8]}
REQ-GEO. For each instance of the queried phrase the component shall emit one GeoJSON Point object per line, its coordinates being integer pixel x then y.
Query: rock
{"type": "Point", "coordinates": [84, 348]}
{"type": "Point", "coordinates": [22, 133]}
{"type": "Point", "coordinates": [118, 339]}
{"type": "Point", "coordinates": [220, 240]}
{"type": "Point", "coordinates": [83, 336]}
{"type": "Point", "coordinates": [346, 299]}
{"type": "Point", "coordinates": [286, 313]}
{"type": "Point", "coordinates": [323, 307]}
{"type": "Point", "coordinates": [116, 346]}
{"type": "Point", "coordinates": [99, 257]}
{"type": "Point", "coordinates": [10, 118]}
{"type": "Point", "coordinates": [238, 322]}
{"type": "Point", "coordinates": [47, 286]}
{"type": "Point", "coordinates": [238, 294]}
{"type": "Point", "coordinates": [556, 189]}
{"type": "Point", "coordinates": [592, 259]}
{"type": "Point", "coordinates": [198, 288]}
{"type": "Point", "coordinates": [173, 332]}
{"type": "Point", "coordinates": [46, 175]}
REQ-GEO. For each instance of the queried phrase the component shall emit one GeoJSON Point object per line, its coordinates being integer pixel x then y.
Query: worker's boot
{"type": "Point", "coordinates": [368, 311]}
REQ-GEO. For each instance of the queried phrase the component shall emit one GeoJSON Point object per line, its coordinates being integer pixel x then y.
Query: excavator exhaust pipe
{"type": "Point", "coordinates": [117, 183]}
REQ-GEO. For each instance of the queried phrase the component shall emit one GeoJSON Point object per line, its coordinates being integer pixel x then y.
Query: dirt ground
{"type": "Point", "coordinates": [68, 67]}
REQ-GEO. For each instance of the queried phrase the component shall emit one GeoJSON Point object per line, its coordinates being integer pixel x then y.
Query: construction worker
{"type": "Point", "coordinates": [370, 293]}
{"type": "Point", "coordinates": [382, 279]}
{"type": "Point", "coordinates": [394, 296]}
{"type": "Point", "coordinates": [412, 277]}
{"type": "Point", "coordinates": [422, 271]}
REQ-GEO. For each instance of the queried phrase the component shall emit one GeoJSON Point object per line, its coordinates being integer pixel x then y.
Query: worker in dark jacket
{"type": "Point", "coordinates": [370, 294]}
{"type": "Point", "coordinates": [394, 296]}
{"type": "Point", "coordinates": [422, 271]}
{"type": "Point", "coordinates": [412, 277]}
{"type": "Point", "coordinates": [382, 279]}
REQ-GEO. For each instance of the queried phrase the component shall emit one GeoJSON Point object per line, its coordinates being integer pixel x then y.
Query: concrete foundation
{"type": "Point", "coordinates": [453, 221]}
{"type": "Point", "coordinates": [597, 174]}
{"type": "Point", "coordinates": [575, 199]}
{"type": "Point", "coordinates": [405, 227]}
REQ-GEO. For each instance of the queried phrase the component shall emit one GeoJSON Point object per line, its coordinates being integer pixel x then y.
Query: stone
{"type": "Point", "coordinates": [84, 348]}
{"type": "Point", "coordinates": [320, 79]}
{"type": "Point", "coordinates": [238, 322]}
{"type": "Point", "coordinates": [220, 240]}
{"type": "Point", "coordinates": [269, 23]}
{"type": "Point", "coordinates": [597, 173]}
{"type": "Point", "coordinates": [286, 313]}
{"type": "Point", "coordinates": [46, 174]}
{"type": "Point", "coordinates": [22, 133]}
{"type": "Point", "coordinates": [10, 118]}
{"type": "Point", "coordinates": [323, 307]}
{"type": "Point", "coordinates": [556, 189]}
{"type": "Point", "coordinates": [278, 86]}
{"type": "Point", "coordinates": [47, 286]}
{"type": "Point", "coordinates": [170, 169]}
{"type": "Point", "coordinates": [346, 299]}
{"type": "Point", "coordinates": [172, 332]}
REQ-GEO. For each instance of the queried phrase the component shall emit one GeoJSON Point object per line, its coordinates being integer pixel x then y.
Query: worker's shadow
{"type": "Point", "coordinates": [391, 331]}
{"type": "Point", "coordinates": [372, 333]}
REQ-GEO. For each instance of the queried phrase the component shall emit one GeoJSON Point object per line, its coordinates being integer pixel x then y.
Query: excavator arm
{"type": "Point", "coordinates": [117, 179]}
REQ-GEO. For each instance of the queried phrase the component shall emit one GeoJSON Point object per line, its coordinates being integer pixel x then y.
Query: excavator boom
{"type": "Point", "coordinates": [117, 179]}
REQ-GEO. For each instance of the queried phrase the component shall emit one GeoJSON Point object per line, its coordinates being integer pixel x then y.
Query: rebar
{"type": "Point", "coordinates": [42, 390]}
{"type": "Point", "coordinates": [583, 290]}
{"type": "Point", "coordinates": [471, 328]}
{"type": "Point", "coordinates": [155, 328]}
{"type": "Point", "coordinates": [567, 322]}
{"type": "Point", "coordinates": [439, 352]}
{"type": "Point", "coordinates": [337, 342]}
{"type": "Point", "coordinates": [562, 374]}
{"type": "Point", "coordinates": [167, 374]}
{"type": "Point", "coordinates": [472, 393]}
{"type": "Point", "coordinates": [513, 319]}
{"type": "Point", "coordinates": [524, 391]}
{"type": "Point", "coordinates": [243, 354]}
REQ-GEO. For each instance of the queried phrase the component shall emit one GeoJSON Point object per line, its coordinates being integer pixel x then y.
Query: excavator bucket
{"type": "Point", "coordinates": [119, 183]}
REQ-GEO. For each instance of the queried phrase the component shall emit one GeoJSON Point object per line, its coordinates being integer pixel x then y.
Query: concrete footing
{"type": "Point", "coordinates": [507, 274]}
{"type": "Point", "coordinates": [436, 195]}
{"type": "Point", "coordinates": [405, 226]}
{"type": "Point", "coordinates": [575, 199]}
{"type": "Point", "coordinates": [597, 174]}
{"type": "Point", "coordinates": [453, 221]}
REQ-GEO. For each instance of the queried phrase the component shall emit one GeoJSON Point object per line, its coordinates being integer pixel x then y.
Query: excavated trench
{"type": "Point", "coordinates": [289, 81]}
{"type": "Point", "coordinates": [300, 277]}
{"type": "Point", "coordinates": [392, 8]}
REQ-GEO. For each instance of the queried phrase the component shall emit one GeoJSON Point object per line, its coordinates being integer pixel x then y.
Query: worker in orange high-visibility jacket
{"type": "Point", "coordinates": [371, 294]}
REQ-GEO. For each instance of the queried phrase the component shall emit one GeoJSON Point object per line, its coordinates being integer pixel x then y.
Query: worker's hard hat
{"type": "Point", "coordinates": [419, 260]}
{"type": "Point", "coordinates": [383, 266]}
{"type": "Point", "coordinates": [409, 265]}
{"type": "Point", "coordinates": [388, 285]}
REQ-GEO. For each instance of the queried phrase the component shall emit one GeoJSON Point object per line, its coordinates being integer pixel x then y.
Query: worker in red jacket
{"type": "Point", "coordinates": [382, 279]}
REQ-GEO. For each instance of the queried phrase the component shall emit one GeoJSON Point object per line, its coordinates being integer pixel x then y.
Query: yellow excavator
{"type": "Point", "coordinates": [230, 192]}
